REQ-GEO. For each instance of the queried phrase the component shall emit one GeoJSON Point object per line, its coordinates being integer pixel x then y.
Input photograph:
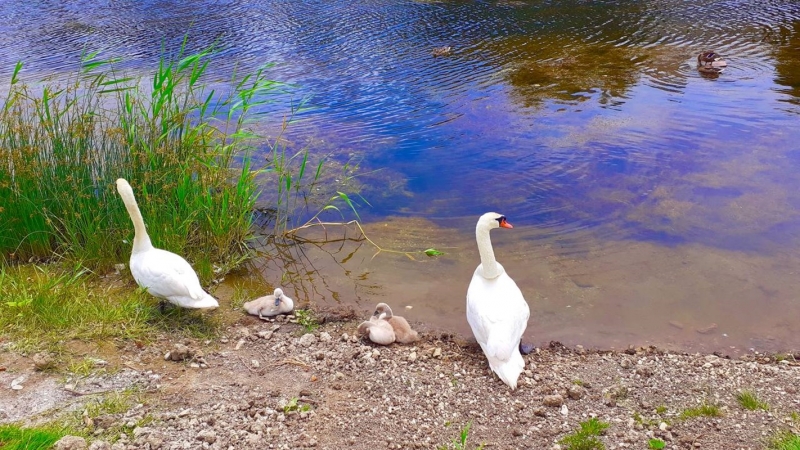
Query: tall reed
{"type": "Point", "coordinates": [183, 146]}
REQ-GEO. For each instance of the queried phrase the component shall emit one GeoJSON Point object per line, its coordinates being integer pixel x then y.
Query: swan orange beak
{"type": "Point", "coordinates": [504, 223]}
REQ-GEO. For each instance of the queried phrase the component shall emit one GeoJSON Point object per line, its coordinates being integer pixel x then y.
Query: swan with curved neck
{"type": "Point", "coordinates": [270, 305]}
{"type": "Point", "coordinates": [496, 310]}
{"type": "Point", "coordinates": [402, 330]}
{"type": "Point", "coordinates": [164, 274]}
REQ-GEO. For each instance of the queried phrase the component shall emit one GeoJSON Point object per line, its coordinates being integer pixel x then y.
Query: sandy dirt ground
{"type": "Point", "coordinates": [275, 385]}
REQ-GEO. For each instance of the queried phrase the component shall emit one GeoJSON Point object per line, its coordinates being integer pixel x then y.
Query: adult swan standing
{"type": "Point", "coordinates": [496, 310]}
{"type": "Point", "coordinates": [164, 274]}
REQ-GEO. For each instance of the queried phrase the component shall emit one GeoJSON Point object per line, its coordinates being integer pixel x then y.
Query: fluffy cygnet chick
{"type": "Point", "coordinates": [377, 330]}
{"type": "Point", "coordinates": [270, 305]}
{"type": "Point", "coordinates": [402, 330]}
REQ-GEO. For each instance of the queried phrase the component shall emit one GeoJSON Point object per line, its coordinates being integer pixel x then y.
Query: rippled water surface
{"type": "Point", "coordinates": [651, 204]}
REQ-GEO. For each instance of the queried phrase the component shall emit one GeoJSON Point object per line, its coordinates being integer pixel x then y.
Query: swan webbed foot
{"type": "Point", "coordinates": [526, 349]}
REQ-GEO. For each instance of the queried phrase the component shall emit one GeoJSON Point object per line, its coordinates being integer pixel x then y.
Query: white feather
{"type": "Point", "coordinates": [265, 306]}
{"type": "Point", "coordinates": [496, 310]}
{"type": "Point", "coordinates": [164, 274]}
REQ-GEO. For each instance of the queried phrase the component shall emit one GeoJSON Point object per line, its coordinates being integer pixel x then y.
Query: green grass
{"type": "Point", "coordinates": [748, 400]}
{"type": "Point", "coordinates": [645, 421]}
{"type": "Point", "coordinates": [49, 304]}
{"type": "Point", "coordinates": [704, 410]}
{"type": "Point", "coordinates": [82, 367]}
{"type": "Point", "coordinates": [656, 444]}
{"type": "Point", "coordinates": [241, 295]}
{"type": "Point", "coordinates": [785, 441]}
{"type": "Point", "coordinates": [82, 421]}
{"type": "Point", "coordinates": [13, 437]}
{"type": "Point", "coordinates": [305, 317]}
{"type": "Point", "coordinates": [661, 409]}
{"type": "Point", "coordinates": [112, 403]}
{"type": "Point", "coordinates": [44, 306]}
{"type": "Point", "coordinates": [586, 437]}
{"type": "Point", "coordinates": [460, 442]}
{"type": "Point", "coordinates": [294, 406]}
{"type": "Point", "coordinates": [183, 146]}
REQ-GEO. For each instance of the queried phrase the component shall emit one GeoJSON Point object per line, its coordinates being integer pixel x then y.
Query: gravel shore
{"type": "Point", "coordinates": [276, 385]}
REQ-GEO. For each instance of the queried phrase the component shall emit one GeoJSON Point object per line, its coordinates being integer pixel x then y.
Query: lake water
{"type": "Point", "coordinates": [651, 204]}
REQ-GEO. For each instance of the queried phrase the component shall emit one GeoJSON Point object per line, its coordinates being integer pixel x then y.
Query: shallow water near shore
{"type": "Point", "coordinates": [607, 295]}
{"type": "Point", "coordinates": [651, 203]}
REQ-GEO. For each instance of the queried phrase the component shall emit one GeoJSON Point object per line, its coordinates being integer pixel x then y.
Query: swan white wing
{"type": "Point", "coordinates": [166, 275]}
{"type": "Point", "coordinates": [381, 332]}
{"type": "Point", "coordinates": [497, 313]}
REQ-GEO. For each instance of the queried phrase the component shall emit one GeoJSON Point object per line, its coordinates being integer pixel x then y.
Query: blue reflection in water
{"type": "Point", "coordinates": [563, 116]}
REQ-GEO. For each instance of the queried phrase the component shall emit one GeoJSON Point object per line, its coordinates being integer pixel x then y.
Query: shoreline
{"type": "Point", "coordinates": [272, 382]}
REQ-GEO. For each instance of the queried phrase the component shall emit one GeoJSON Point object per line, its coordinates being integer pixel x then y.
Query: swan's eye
{"type": "Point", "coordinates": [503, 222]}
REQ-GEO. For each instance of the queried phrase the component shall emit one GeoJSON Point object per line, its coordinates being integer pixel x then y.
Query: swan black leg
{"type": "Point", "coordinates": [526, 348]}
{"type": "Point", "coordinates": [162, 305]}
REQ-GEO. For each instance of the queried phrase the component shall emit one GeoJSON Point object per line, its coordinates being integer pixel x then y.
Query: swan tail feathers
{"type": "Point", "coordinates": [205, 302]}
{"type": "Point", "coordinates": [508, 371]}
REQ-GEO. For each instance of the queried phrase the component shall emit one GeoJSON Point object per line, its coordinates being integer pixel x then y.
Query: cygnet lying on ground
{"type": "Point", "coordinates": [377, 330]}
{"type": "Point", "coordinates": [270, 305]}
{"type": "Point", "coordinates": [402, 330]}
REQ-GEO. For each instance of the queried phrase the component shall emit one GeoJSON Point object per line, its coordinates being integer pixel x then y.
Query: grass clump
{"type": "Point", "coordinates": [460, 442]}
{"type": "Point", "coordinates": [748, 400]}
{"type": "Point", "coordinates": [43, 305]}
{"type": "Point", "coordinates": [113, 403]}
{"type": "Point", "coordinates": [647, 422]}
{"type": "Point", "coordinates": [305, 317]}
{"type": "Point", "coordinates": [293, 406]}
{"type": "Point", "coordinates": [81, 368]}
{"type": "Point", "coordinates": [704, 410]}
{"type": "Point", "coordinates": [586, 437]}
{"type": "Point", "coordinates": [13, 437]}
{"type": "Point", "coordinates": [656, 444]}
{"type": "Point", "coordinates": [183, 146]}
{"type": "Point", "coordinates": [784, 441]}
{"type": "Point", "coordinates": [100, 416]}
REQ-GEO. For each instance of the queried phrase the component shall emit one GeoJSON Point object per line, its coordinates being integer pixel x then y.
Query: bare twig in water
{"type": "Point", "coordinates": [315, 222]}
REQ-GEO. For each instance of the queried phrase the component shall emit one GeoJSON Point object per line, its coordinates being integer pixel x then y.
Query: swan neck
{"type": "Point", "coordinates": [489, 264]}
{"type": "Point", "coordinates": [141, 241]}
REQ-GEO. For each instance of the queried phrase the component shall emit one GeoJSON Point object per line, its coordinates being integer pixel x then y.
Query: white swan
{"type": "Point", "coordinates": [402, 330]}
{"type": "Point", "coordinates": [270, 305]}
{"type": "Point", "coordinates": [378, 330]}
{"type": "Point", "coordinates": [164, 274]}
{"type": "Point", "coordinates": [496, 310]}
